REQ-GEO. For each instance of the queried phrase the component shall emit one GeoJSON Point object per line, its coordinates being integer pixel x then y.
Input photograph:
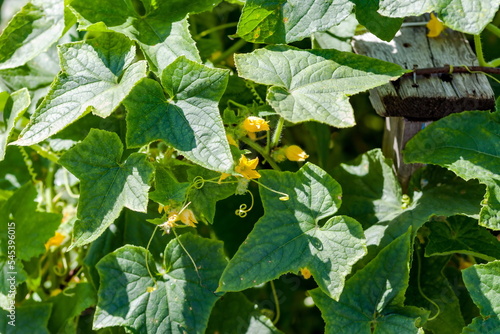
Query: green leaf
{"type": "Point", "coordinates": [469, 16]}
{"type": "Point", "coordinates": [180, 303]}
{"type": "Point", "coordinates": [68, 305]}
{"type": "Point", "coordinates": [373, 197]}
{"type": "Point", "coordinates": [187, 118]}
{"type": "Point", "coordinates": [31, 31]}
{"type": "Point", "coordinates": [12, 274]}
{"type": "Point", "coordinates": [283, 21]}
{"type": "Point", "coordinates": [427, 275]}
{"type": "Point", "coordinates": [130, 228]}
{"type": "Point", "coordinates": [483, 283]}
{"type": "Point", "coordinates": [162, 31]}
{"type": "Point", "coordinates": [314, 84]}
{"type": "Point", "coordinates": [289, 237]}
{"type": "Point", "coordinates": [107, 184]}
{"type": "Point", "coordinates": [35, 74]}
{"type": "Point", "coordinates": [16, 105]}
{"type": "Point", "coordinates": [234, 313]}
{"type": "Point", "coordinates": [462, 235]}
{"type": "Point", "coordinates": [383, 27]}
{"type": "Point", "coordinates": [32, 318]}
{"type": "Point", "coordinates": [372, 300]}
{"type": "Point", "coordinates": [97, 75]}
{"type": "Point", "coordinates": [204, 199]}
{"type": "Point", "coordinates": [338, 37]}
{"type": "Point", "coordinates": [31, 228]}
{"type": "Point", "coordinates": [371, 192]}
{"type": "Point", "coordinates": [167, 188]}
{"type": "Point", "coordinates": [466, 143]}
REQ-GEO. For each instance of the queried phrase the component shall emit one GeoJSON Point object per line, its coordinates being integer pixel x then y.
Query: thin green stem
{"type": "Point", "coordinates": [189, 255]}
{"type": "Point", "coordinates": [147, 254]}
{"type": "Point", "coordinates": [494, 29]}
{"type": "Point", "coordinates": [261, 151]}
{"type": "Point", "coordinates": [276, 303]}
{"type": "Point", "coordinates": [495, 62]}
{"type": "Point", "coordinates": [45, 153]}
{"type": "Point", "coordinates": [277, 132]}
{"type": "Point", "coordinates": [419, 272]}
{"type": "Point", "coordinates": [49, 181]}
{"type": "Point", "coordinates": [214, 29]}
{"type": "Point", "coordinates": [235, 47]}
{"type": "Point", "coordinates": [479, 51]}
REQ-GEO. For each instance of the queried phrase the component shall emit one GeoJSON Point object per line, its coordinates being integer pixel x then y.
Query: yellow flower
{"type": "Point", "coordinates": [435, 26]}
{"type": "Point", "coordinates": [247, 168]}
{"type": "Point", "coordinates": [305, 272]}
{"type": "Point", "coordinates": [187, 218]}
{"type": "Point", "coordinates": [255, 124]}
{"type": "Point", "coordinates": [295, 153]}
{"type": "Point", "coordinates": [56, 240]}
{"type": "Point", "coordinates": [231, 140]}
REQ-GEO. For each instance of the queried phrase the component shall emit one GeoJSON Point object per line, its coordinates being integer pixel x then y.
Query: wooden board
{"type": "Point", "coordinates": [433, 96]}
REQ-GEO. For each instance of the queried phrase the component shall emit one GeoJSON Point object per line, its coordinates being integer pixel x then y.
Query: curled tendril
{"type": "Point", "coordinates": [243, 211]}
{"type": "Point", "coordinates": [284, 196]}
{"type": "Point", "coordinates": [198, 182]}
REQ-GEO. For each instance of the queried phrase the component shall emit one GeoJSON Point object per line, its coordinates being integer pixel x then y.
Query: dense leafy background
{"type": "Point", "coordinates": [121, 121]}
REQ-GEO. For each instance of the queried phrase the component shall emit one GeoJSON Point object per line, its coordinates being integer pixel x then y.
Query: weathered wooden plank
{"type": "Point", "coordinates": [433, 96]}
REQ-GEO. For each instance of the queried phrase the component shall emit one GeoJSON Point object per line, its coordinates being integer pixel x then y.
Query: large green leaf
{"type": "Point", "coordinates": [67, 306]}
{"type": "Point", "coordinates": [30, 227]}
{"type": "Point", "coordinates": [234, 313]}
{"type": "Point", "coordinates": [314, 84]}
{"type": "Point", "coordinates": [31, 31]}
{"type": "Point", "coordinates": [376, 199]}
{"type": "Point", "coordinates": [372, 300]}
{"type": "Point", "coordinates": [183, 296]}
{"type": "Point", "coordinates": [462, 235]}
{"type": "Point", "coordinates": [469, 16]}
{"type": "Point", "coordinates": [162, 31]}
{"type": "Point", "coordinates": [428, 282]}
{"type": "Point", "coordinates": [97, 75]}
{"type": "Point", "coordinates": [187, 117]}
{"type": "Point", "coordinates": [107, 184]}
{"type": "Point", "coordinates": [466, 143]}
{"type": "Point", "coordinates": [32, 318]}
{"type": "Point", "coordinates": [13, 110]}
{"type": "Point", "coordinates": [289, 235]}
{"type": "Point", "coordinates": [483, 283]}
{"type": "Point", "coordinates": [285, 21]}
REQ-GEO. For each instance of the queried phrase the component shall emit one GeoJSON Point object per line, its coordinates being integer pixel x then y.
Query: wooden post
{"type": "Point", "coordinates": [411, 103]}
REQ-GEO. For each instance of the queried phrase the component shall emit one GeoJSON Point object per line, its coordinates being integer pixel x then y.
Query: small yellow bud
{"type": "Point", "coordinates": [231, 140]}
{"type": "Point", "coordinates": [435, 26]}
{"type": "Point", "coordinates": [255, 124]}
{"type": "Point", "coordinates": [305, 272]}
{"type": "Point", "coordinates": [295, 153]}
{"type": "Point", "coordinates": [247, 168]}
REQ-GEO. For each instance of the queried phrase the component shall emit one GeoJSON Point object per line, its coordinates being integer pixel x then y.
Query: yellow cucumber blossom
{"type": "Point", "coordinates": [247, 168]}
{"type": "Point", "coordinates": [186, 217]}
{"type": "Point", "coordinates": [435, 26]}
{"type": "Point", "coordinates": [56, 240]}
{"type": "Point", "coordinates": [295, 153]}
{"type": "Point", "coordinates": [222, 177]}
{"type": "Point", "coordinates": [253, 124]}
